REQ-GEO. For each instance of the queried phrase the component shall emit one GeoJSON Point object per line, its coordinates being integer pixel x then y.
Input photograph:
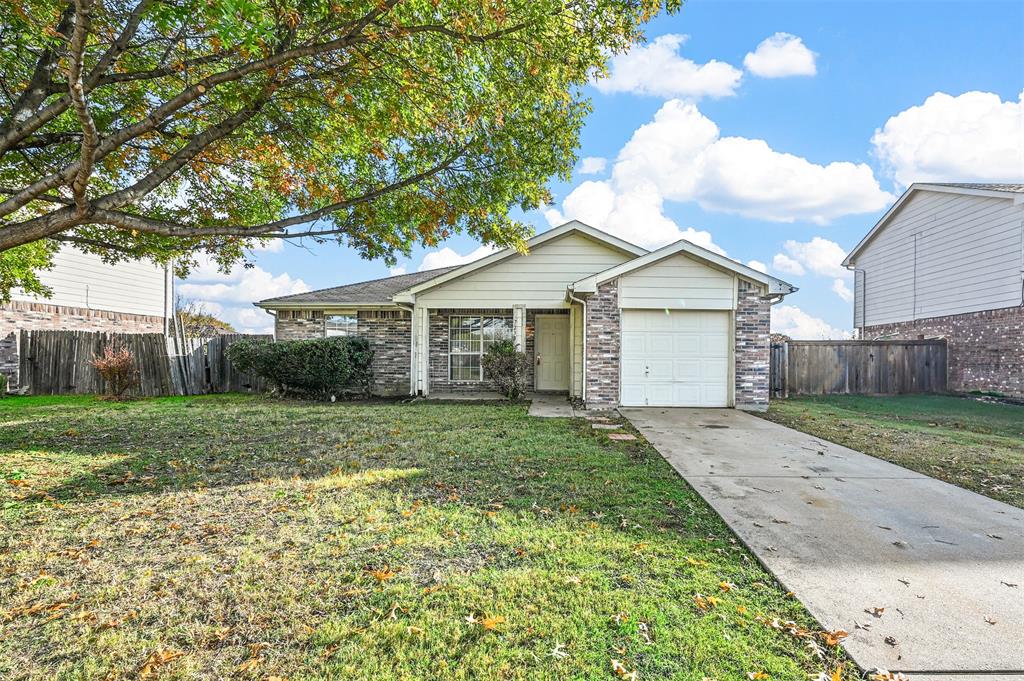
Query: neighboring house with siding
{"type": "Point", "coordinates": [88, 294]}
{"type": "Point", "coordinates": [947, 261]}
{"type": "Point", "coordinates": [601, 320]}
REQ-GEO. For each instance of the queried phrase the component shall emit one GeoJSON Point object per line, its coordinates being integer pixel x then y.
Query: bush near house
{"type": "Point", "coordinates": [507, 367]}
{"type": "Point", "coordinates": [318, 367]}
{"type": "Point", "coordinates": [3, 386]}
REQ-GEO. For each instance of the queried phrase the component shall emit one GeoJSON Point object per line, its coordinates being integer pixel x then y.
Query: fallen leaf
{"type": "Point", "coordinates": [726, 586]}
{"type": "Point", "coordinates": [620, 670]}
{"type": "Point", "coordinates": [833, 638]}
{"type": "Point", "coordinates": [754, 676]}
{"type": "Point", "coordinates": [156, 659]}
{"type": "Point", "coordinates": [382, 574]}
{"type": "Point", "coordinates": [490, 623]}
{"type": "Point", "coordinates": [874, 612]}
{"type": "Point", "coordinates": [990, 620]}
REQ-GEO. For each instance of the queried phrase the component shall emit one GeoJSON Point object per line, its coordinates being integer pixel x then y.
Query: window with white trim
{"type": "Point", "coordinates": [340, 325]}
{"type": "Point", "coordinates": [469, 338]}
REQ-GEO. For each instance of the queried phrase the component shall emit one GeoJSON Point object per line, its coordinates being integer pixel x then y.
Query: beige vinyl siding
{"type": "Point", "coordinates": [538, 279]}
{"type": "Point", "coordinates": [942, 254]}
{"type": "Point", "coordinates": [678, 283]}
{"type": "Point", "coordinates": [83, 280]}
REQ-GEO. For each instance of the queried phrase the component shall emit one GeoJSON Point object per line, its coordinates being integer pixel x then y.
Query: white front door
{"type": "Point", "coordinates": [551, 352]}
{"type": "Point", "coordinates": [675, 358]}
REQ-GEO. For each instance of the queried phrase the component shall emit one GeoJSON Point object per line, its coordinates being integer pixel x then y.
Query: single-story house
{"type": "Point", "coordinates": [601, 319]}
{"type": "Point", "coordinates": [947, 261]}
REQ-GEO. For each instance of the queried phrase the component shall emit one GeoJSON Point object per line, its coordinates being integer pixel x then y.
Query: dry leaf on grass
{"type": "Point", "coordinates": [158, 658]}
{"type": "Point", "coordinates": [620, 670]}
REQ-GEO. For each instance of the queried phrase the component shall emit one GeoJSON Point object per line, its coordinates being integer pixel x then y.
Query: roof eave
{"type": "Point", "coordinates": [285, 305]}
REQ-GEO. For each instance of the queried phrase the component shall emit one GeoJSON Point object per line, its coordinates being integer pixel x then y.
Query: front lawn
{"type": "Point", "coordinates": [242, 537]}
{"type": "Point", "coordinates": [968, 442]}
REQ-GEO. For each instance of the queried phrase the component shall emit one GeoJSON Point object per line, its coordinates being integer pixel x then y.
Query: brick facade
{"type": "Point", "coordinates": [390, 336]}
{"type": "Point", "coordinates": [752, 348]}
{"type": "Point", "coordinates": [301, 326]}
{"type": "Point", "coordinates": [985, 349]}
{"type": "Point", "coordinates": [603, 333]}
{"type": "Point", "coordinates": [18, 315]}
{"type": "Point", "coordinates": [389, 333]}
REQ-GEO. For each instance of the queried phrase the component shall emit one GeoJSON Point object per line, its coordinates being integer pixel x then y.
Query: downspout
{"type": "Point", "coordinates": [583, 383]}
{"type": "Point", "coordinates": [413, 359]}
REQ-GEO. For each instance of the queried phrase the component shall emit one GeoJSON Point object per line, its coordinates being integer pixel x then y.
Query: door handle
{"type": "Point", "coordinates": [647, 371]}
{"type": "Point", "coordinates": [538, 360]}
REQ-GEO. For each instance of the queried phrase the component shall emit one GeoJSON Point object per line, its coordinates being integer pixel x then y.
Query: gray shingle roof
{"type": "Point", "coordinates": [989, 186]}
{"type": "Point", "coordinates": [375, 291]}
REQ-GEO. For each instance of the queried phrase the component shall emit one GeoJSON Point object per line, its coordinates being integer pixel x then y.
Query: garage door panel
{"type": "Point", "coordinates": [675, 359]}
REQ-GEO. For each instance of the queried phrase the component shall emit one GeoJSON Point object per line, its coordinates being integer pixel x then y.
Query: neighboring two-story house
{"type": "Point", "coordinates": [947, 261]}
{"type": "Point", "coordinates": [89, 295]}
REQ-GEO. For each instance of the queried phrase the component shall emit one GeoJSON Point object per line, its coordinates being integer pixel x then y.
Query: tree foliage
{"type": "Point", "coordinates": [167, 128]}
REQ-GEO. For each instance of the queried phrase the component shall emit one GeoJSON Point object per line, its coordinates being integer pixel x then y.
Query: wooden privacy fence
{"type": "Point", "coordinates": [858, 367]}
{"type": "Point", "coordinates": [59, 362]}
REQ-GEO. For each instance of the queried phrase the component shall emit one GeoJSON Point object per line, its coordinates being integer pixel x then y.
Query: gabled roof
{"type": "Point", "coordinates": [373, 292]}
{"type": "Point", "coordinates": [551, 234]}
{"type": "Point", "coordinates": [997, 190]}
{"type": "Point", "coordinates": [775, 285]}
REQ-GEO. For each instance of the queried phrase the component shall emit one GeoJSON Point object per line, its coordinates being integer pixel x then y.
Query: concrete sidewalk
{"type": "Point", "coordinates": [849, 534]}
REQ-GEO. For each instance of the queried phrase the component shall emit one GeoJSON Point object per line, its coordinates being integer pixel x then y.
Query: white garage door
{"type": "Point", "coordinates": [675, 358]}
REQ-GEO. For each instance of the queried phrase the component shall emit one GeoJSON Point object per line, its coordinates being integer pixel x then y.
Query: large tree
{"type": "Point", "coordinates": [168, 128]}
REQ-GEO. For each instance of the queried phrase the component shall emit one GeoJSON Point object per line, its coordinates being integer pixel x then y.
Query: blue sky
{"type": "Point", "coordinates": [775, 132]}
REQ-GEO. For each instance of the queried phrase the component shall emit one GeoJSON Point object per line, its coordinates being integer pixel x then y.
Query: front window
{"type": "Point", "coordinates": [468, 339]}
{"type": "Point", "coordinates": [340, 325]}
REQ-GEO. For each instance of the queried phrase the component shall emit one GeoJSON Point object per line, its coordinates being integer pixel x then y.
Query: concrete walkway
{"type": "Point", "coordinates": [852, 535]}
{"type": "Point", "coordinates": [550, 405]}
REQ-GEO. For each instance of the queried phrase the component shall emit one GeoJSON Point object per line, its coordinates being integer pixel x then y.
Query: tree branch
{"type": "Point", "coordinates": [90, 135]}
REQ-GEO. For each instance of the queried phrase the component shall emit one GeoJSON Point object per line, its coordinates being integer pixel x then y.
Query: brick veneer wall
{"type": "Point", "coordinates": [752, 349]}
{"type": "Point", "coordinates": [18, 315]}
{"type": "Point", "coordinates": [390, 336]}
{"type": "Point", "coordinates": [389, 333]}
{"type": "Point", "coordinates": [985, 349]}
{"type": "Point", "coordinates": [304, 328]}
{"type": "Point", "coordinates": [604, 337]}
{"type": "Point", "coordinates": [23, 314]}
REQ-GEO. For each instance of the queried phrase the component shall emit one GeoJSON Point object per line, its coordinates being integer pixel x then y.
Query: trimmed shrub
{"type": "Point", "coordinates": [319, 367]}
{"type": "Point", "coordinates": [3, 386]}
{"type": "Point", "coordinates": [507, 367]}
{"type": "Point", "coordinates": [116, 366]}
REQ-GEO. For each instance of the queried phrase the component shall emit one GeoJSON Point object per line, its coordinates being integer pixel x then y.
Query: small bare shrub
{"type": "Point", "coordinates": [116, 366]}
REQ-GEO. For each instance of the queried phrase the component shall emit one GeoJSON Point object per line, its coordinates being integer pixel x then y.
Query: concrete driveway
{"type": "Point", "coordinates": [849, 533]}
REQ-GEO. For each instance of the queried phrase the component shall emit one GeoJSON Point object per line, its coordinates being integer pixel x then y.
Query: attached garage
{"type": "Point", "coordinates": [675, 358]}
{"type": "Point", "coordinates": [679, 327]}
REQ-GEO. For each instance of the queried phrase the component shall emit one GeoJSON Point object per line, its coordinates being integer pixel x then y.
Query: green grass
{"type": "Point", "coordinates": [972, 443]}
{"type": "Point", "coordinates": [242, 537]}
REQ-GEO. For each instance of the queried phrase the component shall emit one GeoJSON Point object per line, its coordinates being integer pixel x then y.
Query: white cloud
{"type": "Point", "coordinates": [969, 138]}
{"type": "Point", "coordinates": [267, 246]}
{"type": "Point", "coordinates": [395, 271]}
{"type": "Point", "coordinates": [842, 290]}
{"type": "Point", "coordinates": [786, 264]}
{"type": "Point", "coordinates": [593, 165]}
{"type": "Point", "coordinates": [818, 255]}
{"type": "Point", "coordinates": [229, 295]}
{"type": "Point", "coordinates": [658, 69]}
{"type": "Point", "coordinates": [446, 257]}
{"type": "Point", "coordinates": [781, 55]}
{"type": "Point", "coordinates": [679, 156]}
{"type": "Point", "coordinates": [757, 265]}
{"type": "Point", "coordinates": [797, 324]}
